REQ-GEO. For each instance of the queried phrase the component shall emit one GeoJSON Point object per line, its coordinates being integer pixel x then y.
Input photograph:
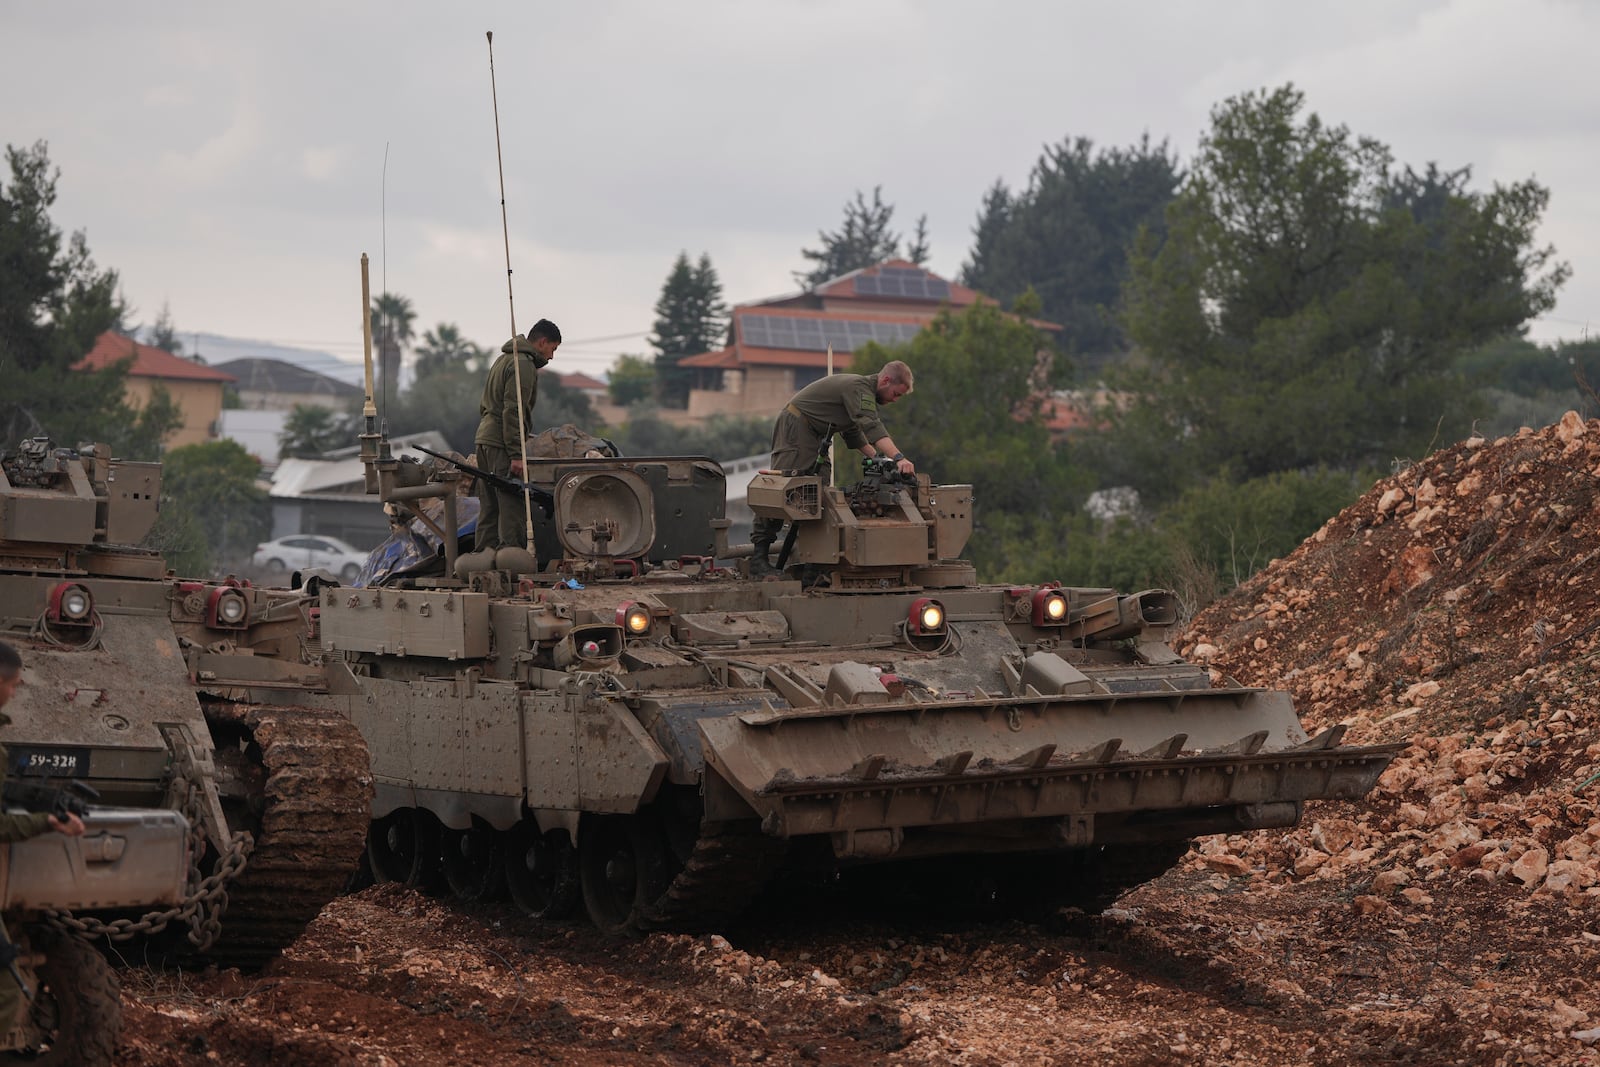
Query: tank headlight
{"type": "Point", "coordinates": [1049, 607]}
{"type": "Point", "coordinates": [70, 603]}
{"type": "Point", "coordinates": [227, 609]}
{"type": "Point", "coordinates": [634, 618]}
{"type": "Point", "coordinates": [927, 616]}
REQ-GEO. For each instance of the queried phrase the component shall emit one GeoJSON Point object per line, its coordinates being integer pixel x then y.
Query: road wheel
{"type": "Point", "coordinates": [541, 872]}
{"type": "Point", "coordinates": [623, 869]}
{"type": "Point", "coordinates": [276, 566]}
{"type": "Point", "coordinates": [350, 573]}
{"type": "Point", "coordinates": [76, 1012]}
{"type": "Point", "coordinates": [472, 861]}
{"type": "Point", "coordinates": [403, 846]}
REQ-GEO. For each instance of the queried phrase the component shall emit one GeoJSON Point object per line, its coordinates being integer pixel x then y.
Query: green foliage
{"type": "Point", "coordinates": [632, 379]}
{"type": "Point", "coordinates": [1067, 235]}
{"type": "Point", "coordinates": [719, 437]}
{"type": "Point", "coordinates": [1517, 365]}
{"type": "Point", "coordinates": [143, 432]}
{"type": "Point", "coordinates": [54, 303]}
{"type": "Point", "coordinates": [918, 248]}
{"type": "Point", "coordinates": [311, 431]}
{"type": "Point", "coordinates": [691, 318]}
{"type": "Point", "coordinates": [163, 334]}
{"type": "Point", "coordinates": [210, 489]}
{"type": "Point", "coordinates": [1235, 529]}
{"type": "Point", "coordinates": [1310, 308]}
{"type": "Point", "coordinates": [392, 319]}
{"type": "Point", "coordinates": [863, 240]}
{"type": "Point", "coordinates": [443, 346]}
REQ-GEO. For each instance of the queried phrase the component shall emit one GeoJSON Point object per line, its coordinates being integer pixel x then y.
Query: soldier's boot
{"type": "Point", "coordinates": [470, 562]}
{"type": "Point", "coordinates": [516, 559]}
{"type": "Point", "coordinates": [760, 565]}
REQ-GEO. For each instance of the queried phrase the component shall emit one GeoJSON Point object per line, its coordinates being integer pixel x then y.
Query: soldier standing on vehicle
{"type": "Point", "coordinates": [840, 403]}
{"type": "Point", "coordinates": [502, 424]}
{"type": "Point", "coordinates": [21, 825]}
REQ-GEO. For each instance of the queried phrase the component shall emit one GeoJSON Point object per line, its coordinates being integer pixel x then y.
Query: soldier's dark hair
{"type": "Point", "coordinates": [546, 329]}
{"type": "Point", "coordinates": [10, 661]}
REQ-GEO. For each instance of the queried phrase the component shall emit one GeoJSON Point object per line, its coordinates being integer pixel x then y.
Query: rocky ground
{"type": "Point", "coordinates": [1452, 917]}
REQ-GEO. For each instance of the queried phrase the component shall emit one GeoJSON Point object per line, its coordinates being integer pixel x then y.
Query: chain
{"type": "Point", "coordinates": [204, 899]}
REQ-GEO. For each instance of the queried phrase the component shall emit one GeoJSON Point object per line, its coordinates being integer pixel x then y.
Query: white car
{"type": "Point", "coordinates": [310, 552]}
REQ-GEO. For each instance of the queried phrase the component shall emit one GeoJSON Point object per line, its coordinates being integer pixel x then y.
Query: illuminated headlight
{"type": "Point", "coordinates": [634, 618]}
{"type": "Point", "coordinates": [70, 603]}
{"type": "Point", "coordinates": [1049, 607]}
{"type": "Point", "coordinates": [231, 609]}
{"type": "Point", "coordinates": [227, 609]}
{"type": "Point", "coordinates": [927, 617]}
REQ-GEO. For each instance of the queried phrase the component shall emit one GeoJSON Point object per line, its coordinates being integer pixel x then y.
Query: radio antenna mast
{"type": "Point", "coordinates": [511, 303]}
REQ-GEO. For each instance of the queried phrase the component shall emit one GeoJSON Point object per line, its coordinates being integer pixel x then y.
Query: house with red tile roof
{"type": "Point", "coordinates": [777, 346]}
{"type": "Point", "coordinates": [196, 388]}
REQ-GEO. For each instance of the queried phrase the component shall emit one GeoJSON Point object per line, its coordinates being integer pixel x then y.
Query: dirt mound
{"type": "Point", "coordinates": [1452, 606]}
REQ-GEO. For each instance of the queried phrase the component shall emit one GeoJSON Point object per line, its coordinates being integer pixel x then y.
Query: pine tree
{"type": "Point", "coordinates": [691, 318]}
{"type": "Point", "coordinates": [863, 240]}
{"type": "Point", "coordinates": [163, 334]}
{"type": "Point", "coordinates": [917, 249]}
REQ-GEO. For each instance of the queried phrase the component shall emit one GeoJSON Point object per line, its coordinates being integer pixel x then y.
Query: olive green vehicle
{"type": "Point", "coordinates": [122, 665]}
{"type": "Point", "coordinates": [640, 729]}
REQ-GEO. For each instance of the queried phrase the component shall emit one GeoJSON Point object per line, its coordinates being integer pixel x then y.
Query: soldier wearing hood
{"type": "Point", "coordinates": [502, 517]}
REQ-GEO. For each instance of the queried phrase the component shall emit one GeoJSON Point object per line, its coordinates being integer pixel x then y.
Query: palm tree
{"type": "Point", "coordinates": [443, 347]}
{"type": "Point", "coordinates": [392, 316]}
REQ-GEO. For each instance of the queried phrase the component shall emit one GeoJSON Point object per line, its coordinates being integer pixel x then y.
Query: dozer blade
{"type": "Point", "coordinates": [897, 765]}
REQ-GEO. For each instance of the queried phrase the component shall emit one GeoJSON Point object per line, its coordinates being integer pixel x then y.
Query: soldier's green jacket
{"type": "Point", "coordinates": [23, 825]}
{"type": "Point", "coordinates": [497, 410]}
{"type": "Point", "coordinates": [842, 403]}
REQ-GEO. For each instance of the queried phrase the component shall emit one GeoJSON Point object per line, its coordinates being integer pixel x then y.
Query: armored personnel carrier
{"type": "Point", "coordinates": [639, 728]}
{"type": "Point", "coordinates": [130, 687]}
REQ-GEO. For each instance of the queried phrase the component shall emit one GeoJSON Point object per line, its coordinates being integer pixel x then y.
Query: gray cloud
{"type": "Point", "coordinates": [231, 162]}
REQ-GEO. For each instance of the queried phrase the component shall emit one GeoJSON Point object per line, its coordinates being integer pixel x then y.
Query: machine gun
{"type": "Point", "coordinates": [73, 798]}
{"type": "Point", "coordinates": [541, 497]}
{"type": "Point", "coordinates": [881, 481]}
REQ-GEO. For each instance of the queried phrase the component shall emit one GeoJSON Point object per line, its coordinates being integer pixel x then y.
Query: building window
{"type": "Point", "coordinates": [804, 376]}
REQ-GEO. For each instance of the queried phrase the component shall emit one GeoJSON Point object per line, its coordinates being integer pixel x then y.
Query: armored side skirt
{"type": "Point", "coordinates": [128, 858]}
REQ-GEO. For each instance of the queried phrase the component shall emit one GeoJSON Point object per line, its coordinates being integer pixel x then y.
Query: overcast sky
{"type": "Point", "coordinates": [230, 161]}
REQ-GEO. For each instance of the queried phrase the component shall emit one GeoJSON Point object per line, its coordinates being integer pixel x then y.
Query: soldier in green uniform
{"type": "Point", "coordinates": [502, 518]}
{"type": "Point", "coordinates": [19, 826]}
{"type": "Point", "coordinates": [840, 403]}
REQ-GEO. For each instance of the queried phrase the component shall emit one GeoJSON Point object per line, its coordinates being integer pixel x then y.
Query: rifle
{"type": "Point", "coordinates": [73, 798]}
{"type": "Point", "coordinates": [541, 497]}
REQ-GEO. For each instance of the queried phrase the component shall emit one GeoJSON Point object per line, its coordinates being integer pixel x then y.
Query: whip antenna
{"type": "Point", "coordinates": [511, 303]}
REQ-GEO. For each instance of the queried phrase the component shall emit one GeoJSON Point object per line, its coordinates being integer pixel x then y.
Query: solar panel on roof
{"type": "Point", "coordinates": [910, 282]}
{"type": "Point", "coordinates": [815, 335]}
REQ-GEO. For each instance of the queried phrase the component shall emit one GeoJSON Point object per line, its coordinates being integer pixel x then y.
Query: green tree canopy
{"type": "Point", "coordinates": [1067, 236]}
{"type": "Point", "coordinates": [1310, 307]}
{"type": "Point", "coordinates": [720, 437]}
{"type": "Point", "coordinates": [443, 346]}
{"type": "Point", "coordinates": [164, 335]}
{"type": "Point", "coordinates": [632, 379]}
{"type": "Point", "coordinates": [212, 510]}
{"type": "Point", "coordinates": [54, 304]}
{"type": "Point", "coordinates": [393, 318]}
{"type": "Point", "coordinates": [312, 430]}
{"type": "Point", "coordinates": [863, 239]}
{"type": "Point", "coordinates": [691, 318]}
